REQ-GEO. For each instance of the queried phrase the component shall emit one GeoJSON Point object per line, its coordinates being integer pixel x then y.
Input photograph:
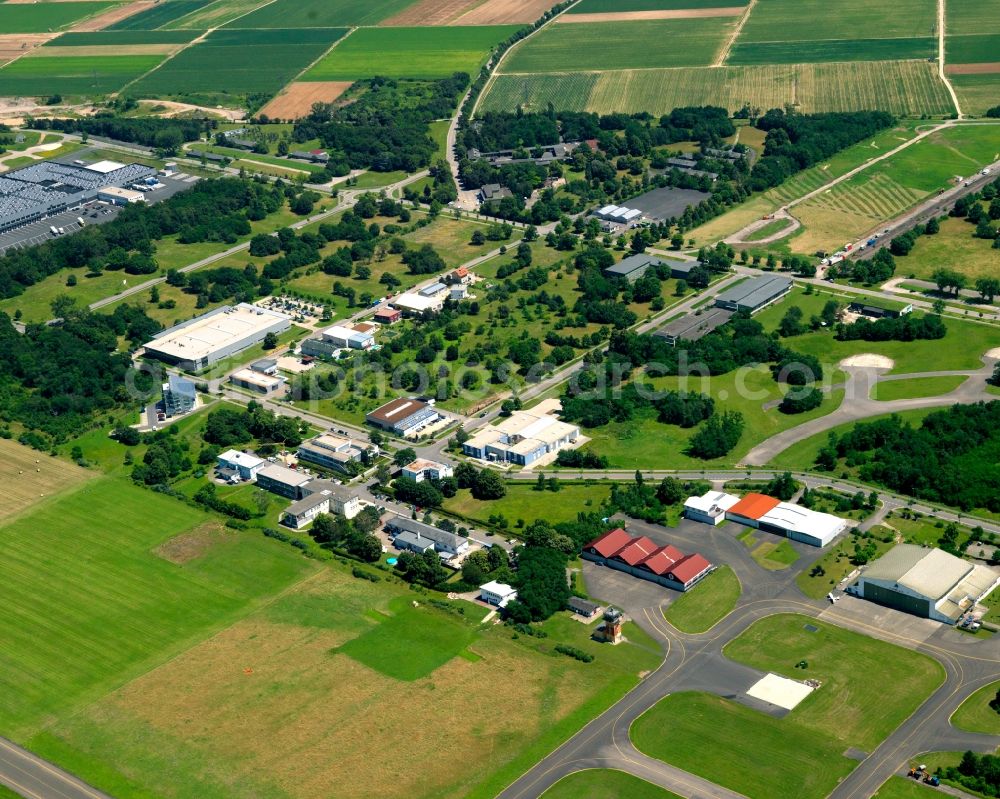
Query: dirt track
{"type": "Point", "coordinates": [297, 100]}
{"type": "Point", "coordinates": [635, 16]}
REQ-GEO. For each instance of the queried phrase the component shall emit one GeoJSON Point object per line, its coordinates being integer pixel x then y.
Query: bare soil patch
{"type": "Point", "coordinates": [429, 12]}
{"type": "Point", "coordinates": [499, 12]}
{"type": "Point", "coordinates": [988, 68]}
{"type": "Point", "coordinates": [193, 544]}
{"type": "Point", "coordinates": [107, 50]}
{"type": "Point", "coordinates": [298, 98]}
{"type": "Point", "coordinates": [993, 353]}
{"type": "Point", "coordinates": [634, 16]}
{"type": "Point", "coordinates": [15, 45]}
{"type": "Point", "coordinates": [112, 15]}
{"type": "Point", "coordinates": [28, 477]}
{"type": "Point", "coordinates": [869, 360]}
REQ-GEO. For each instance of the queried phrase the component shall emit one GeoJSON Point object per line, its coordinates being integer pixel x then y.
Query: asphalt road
{"type": "Point", "coordinates": [34, 778]}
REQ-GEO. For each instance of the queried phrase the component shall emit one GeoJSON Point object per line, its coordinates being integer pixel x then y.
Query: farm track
{"type": "Point", "coordinates": [942, 17]}
{"type": "Point", "coordinates": [728, 46]}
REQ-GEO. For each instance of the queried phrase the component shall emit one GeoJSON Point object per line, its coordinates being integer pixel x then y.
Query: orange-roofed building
{"type": "Point", "coordinates": [751, 508]}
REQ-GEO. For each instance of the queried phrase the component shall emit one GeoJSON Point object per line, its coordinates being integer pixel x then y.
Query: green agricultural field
{"type": "Point", "coordinates": [605, 784]}
{"type": "Point", "coordinates": [901, 87]}
{"type": "Point", "coordinates": [103, 590]}
{"type": "Point", "coordinates": [524, 502]}
{"type": "Point", "coordinates": [701, 608]}
{"type": "Point", "coordinates": [706, 731]}
{"type": "Point", "coordinates": [800, 20]}
{"type": "Point", "coordinates": [238, 62]}
{"type": "Point", "coordinates": [783, 52]}
{"type": "Point", "coordinates": [105, 38]}
{"type": "Point", "coordinates": [976, 93]}
{"type": "Point", "coordinates": [320, 13]}
{"type": "Point", "coordinates": [43, 17]}
{"type": "Point", "coordinates": [977, 49]}
{"type": "Point", "coordinates": [621, 45]}
{"type": "Point", "coordinates": [212, 15]}
{"type": "Point", "coordinates": [213, 721]}
{"type": "Point", "coordinates": [917, 387]}
{"type": "Point", "coordinates": [431, 52]}
{"type": "Point", "coordinates": [976, 715]}
{"type": "Point", "coordinates": [613, 6]}
{"type": "Point", "coordinates": [158, 15]}
{"type": "Point", "coordinates": [971, 17]}
{"type": "Point", "coordinates": [38, 74]}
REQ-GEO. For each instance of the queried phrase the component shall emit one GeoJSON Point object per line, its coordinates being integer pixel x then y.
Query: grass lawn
{"type": "Point", "coordinates": [701, 608]}
{"type": "Point", "coordinates": [917, 387]}
{"type": "Point", "coordinates": [706, 734]}
{"type": "Point", "coordinates": [376, 180]}
{"type": "Point", "coordinates": [860, 715]}
{"type": "Point", "coordinates": [524, 502]}
{"type": "Point", "coordinates": [411, 643]}
{"type": "Point", "coordinates": [284, 704]}
{"type": "Point", "coordinates": [975, 713]}
{"type": "Point", "coordinates": [452, 240]}
{"type": "Point", "coordinates": [901, 788]}
{"type": "Point", "coordinates": [953, 247]}
{"type": "Point", "coordinates": [774, 555]}
{"type": "Point", "coordinates": [605, 784]}
{"type": "Point", "coordinates": [835, 564]}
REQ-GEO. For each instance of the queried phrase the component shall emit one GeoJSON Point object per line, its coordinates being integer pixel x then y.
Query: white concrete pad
{"type": "Point", "coordinates": [779, 691]}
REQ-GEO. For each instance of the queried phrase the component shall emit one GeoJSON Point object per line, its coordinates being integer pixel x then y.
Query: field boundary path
{"type": "Point", "coordinates": [723, 55]}
{"type": "Point", "coordinates": [34, 778]}
{"type": "Point", "coordinates": [942, 16]}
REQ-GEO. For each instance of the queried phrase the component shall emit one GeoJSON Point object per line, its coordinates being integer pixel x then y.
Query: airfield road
{"type": "Point", "coordinates": [33, 778]}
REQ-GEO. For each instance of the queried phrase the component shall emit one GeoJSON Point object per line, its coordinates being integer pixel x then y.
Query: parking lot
{"type": "Point", "coordinates": [93, 213]}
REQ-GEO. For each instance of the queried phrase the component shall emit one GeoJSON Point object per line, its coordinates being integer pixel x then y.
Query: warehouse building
{"type": "Point", "coordinates": [255, 381]}
{"type": "Point", "coordinates": [120, 196]}
{"type": "Point", "coordinates": [404, 416]}
{"type": "Point", "coordinates": [49, 187]}
{"type": "Point", "coordinates": [783, 518]}
{"type": "Point", "coordinates": [633, 267]}
{"type": "Point", "coordinates": [416, 304]}
{"type": "Point", "coordinates": [710, 507]}
{"type": "Point", "coordinates": [334, 452]}
{"type": "Point", "coordinates": [523, 438]}
{"type": "Point", "coordinates": [201, 342]}
{"type": "Point", "coordinates": [878, 311]}
{"type": "Point", "coordinates": [642, 558]}
{"type": "Point", "coordinates": [344, 337]}
{"type": "Point", "coordinates": [926, 582]}
{"type": "Point", "coordinates": [754, 294]}
{"type": "Point", "coordinates": [693, 326]}
{"type": "Point", "coordinates": [282, 481]}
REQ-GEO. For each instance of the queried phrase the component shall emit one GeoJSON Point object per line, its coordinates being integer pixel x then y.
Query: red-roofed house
{"type": "Point", "coordinates": [641, 557]}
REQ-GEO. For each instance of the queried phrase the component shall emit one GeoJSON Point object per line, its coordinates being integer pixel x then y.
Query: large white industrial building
{"type": "Point", "coordinates": [197, 344]}
{"type": "Point", "coordinates": [766, 513]}
{"type": "Point", "coordinates": [926, 582]}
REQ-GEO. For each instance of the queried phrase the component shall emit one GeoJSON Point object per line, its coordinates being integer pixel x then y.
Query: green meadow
{"type": "Point", "coordinates": [72, 75]}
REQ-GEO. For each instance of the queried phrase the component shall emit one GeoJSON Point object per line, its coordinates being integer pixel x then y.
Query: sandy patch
{"type": "Point", "coordinates": [15, 45]}
{"type": "Point", "coordinates": [113, 15]}
{"type": "Point", "coordinates": [297, 100]}
{"type": "Point", "coordinates": [994, 353]}
{"type": "Point", "coordinates": [869, 360]}
{"type": "Point", "coordinates": [429, 12]}
{"type": "Point", "coordinates": [973, 69]}
{"type": "Point", "coordinates": [634, 16]}
{"type": "Point", "coordinates": [780, 691]}
{"type": "Point", "coordinates": [499, 12]}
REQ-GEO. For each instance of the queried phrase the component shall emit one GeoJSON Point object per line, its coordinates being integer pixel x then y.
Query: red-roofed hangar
{"type": "Point", "coordinates": [641, 557]}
